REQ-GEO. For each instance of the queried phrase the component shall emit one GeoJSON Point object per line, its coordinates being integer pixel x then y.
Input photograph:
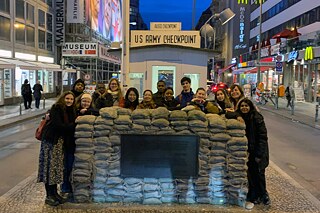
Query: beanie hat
{"type": "Point", "coordinates": [86, 95]}
{"type": "Point", "coordinates": [78, 81]}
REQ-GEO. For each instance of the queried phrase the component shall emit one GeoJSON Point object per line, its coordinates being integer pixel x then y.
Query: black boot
{"type": "Point", "coordinates": [56, 194]}
{"type": "Point", "coordinates": [51, 199]}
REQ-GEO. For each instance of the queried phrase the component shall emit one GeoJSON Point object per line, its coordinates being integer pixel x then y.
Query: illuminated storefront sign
{"type": "Point", "coordinates": [241, 44]}
{"type": "Point", "coordinates": [308, 54]}
{"type": "Point", "coordinates": [292, 56]}
{"type": "Point", "coordinates": [80, 49]}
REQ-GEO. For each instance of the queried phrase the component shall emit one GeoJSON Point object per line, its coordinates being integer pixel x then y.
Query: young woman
{"type": "Point", "coordinates": [112, 97]}
{"type": "Point", "coordinates": [131, 100]}
{"type": "Point", "coordinates": [169, 102]}
{"type": "Point", "coordinates": [147, 102]}
{"type": "Point", "coordinates": [223, 101]}
{"type": "Point", "coordinates": [57, 148]}
{"type": "Point", "coordinates": [199, 101]}
{"type": "Point", "coordinates": [236, 94]}
{"type": "Point", "coordinates": [85, 106]}
{"type": "Point", "coordinates": [258, 150]}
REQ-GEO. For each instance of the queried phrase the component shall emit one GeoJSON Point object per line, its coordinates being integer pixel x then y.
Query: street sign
{"type": "Point", "coordinates": [279, 66]}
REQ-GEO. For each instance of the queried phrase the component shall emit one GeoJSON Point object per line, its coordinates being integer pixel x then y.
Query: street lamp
{"type": "Point", "coordinates": [225, 16]}
{"type": "Point", "coordinates": [259, 44]}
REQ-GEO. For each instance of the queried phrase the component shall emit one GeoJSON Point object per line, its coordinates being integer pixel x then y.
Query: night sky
{"type": "Point", "coordinates": [172, 11]}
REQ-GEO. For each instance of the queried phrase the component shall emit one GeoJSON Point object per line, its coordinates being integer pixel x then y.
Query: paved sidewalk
{"type": "Point", "coordinates": [304, 112]}
{"type": "Point", "coordinates": [13, 114]}
{"type": "Point", "coordinates": [285, 193]}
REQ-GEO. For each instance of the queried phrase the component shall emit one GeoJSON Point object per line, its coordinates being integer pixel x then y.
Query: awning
{"type": "Point", "coordinates": [255, 69]}
{"type": "Point", "coordinates": [226, 68]}
{"type": "Point", "coordinates": [47, 66]}
{"type": "Point", "coordinates": [17, 63]}
{"type": "Point", "coordinates": [241, 70]}
{"type": "Point", "coordinates": [6, 65]}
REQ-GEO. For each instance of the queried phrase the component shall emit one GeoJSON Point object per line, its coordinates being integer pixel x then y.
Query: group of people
{"type": "Point", "coordinates": [58, 142]}
{"type": "Point", "coordinates": [26, 93]}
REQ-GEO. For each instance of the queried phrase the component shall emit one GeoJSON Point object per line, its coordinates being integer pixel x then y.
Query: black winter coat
{"type": "Point", "coordinates": [256, 133]}
{"type": "Point", "coordinates": [61, 124]}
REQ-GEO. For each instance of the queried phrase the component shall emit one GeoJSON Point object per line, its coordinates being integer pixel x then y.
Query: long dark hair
{"type": "Point", "coordinates": [135, 103]}
{"type": "Point", "coordinates": [234, 101]}
{"type": "Point", "coordinates": [61, 102]}
{"type": "Point", "coordinates": [249, 102]}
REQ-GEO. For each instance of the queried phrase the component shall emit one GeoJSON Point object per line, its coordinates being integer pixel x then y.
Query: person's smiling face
{"type": "Point", "coordinates": [220, 96]}
{"type": "Point", "coordinates": [69, 99]}
{"type": "Point", "coordinates": [114, 85]}
{"type": "Point", "coordinates": [235, 93]}
{"type": "Point", "coordinates": [244, 108]}
{"type": "Point", "coordinates": [132, 96]}
{"type": "Point", "coordinates": [186, 86]}
{"type": "Point", "coordinates": [147, 96]}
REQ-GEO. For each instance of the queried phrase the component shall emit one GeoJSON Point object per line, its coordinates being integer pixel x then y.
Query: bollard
{"type": "Point", "coordinates": [292, 107]}
{"type": "Point", "coordinates": [20, 109]}
{"type": "Point", "coordinates": [317, 112]}
{"type": "Point", "coordinates": [44, 102]}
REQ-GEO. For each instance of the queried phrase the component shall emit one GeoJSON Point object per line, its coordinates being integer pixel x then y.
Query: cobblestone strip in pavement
{"type": "Point", "coordinates": [286, 195]}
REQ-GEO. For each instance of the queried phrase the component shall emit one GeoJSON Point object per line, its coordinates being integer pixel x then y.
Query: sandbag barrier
{"type": "Point", "coordinates": [222, 158]}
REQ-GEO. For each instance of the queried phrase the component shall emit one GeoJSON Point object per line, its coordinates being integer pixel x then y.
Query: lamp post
{"type": "Point", "coordinates": [225, 16]}
{"type": "Point", "coordinates": [259, 44]}
{"type": "Point", "coordinates": [125, 60]}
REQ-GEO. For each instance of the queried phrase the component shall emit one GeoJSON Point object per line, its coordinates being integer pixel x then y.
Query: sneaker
{"type": "Point", "coordinates": [266, 200]}
{"type": "Point", "coordinates": [51, 201]}
{"type": "Point", "coordinates": [249, 205]}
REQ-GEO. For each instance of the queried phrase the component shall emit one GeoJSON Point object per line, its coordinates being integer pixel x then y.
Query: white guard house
{"type": "Point", "coordinates": [166, 53]}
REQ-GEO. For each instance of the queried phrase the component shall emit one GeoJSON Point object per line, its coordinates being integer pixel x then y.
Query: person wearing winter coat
{"type": "Point", "coordinates": [85, 106]}
{"type": "Point", "coordinates": [147, 102]}
{"type": "Point", "coordinates": [158, 96]}
{"type": "Point", "coordinates": [112, 97]}
{"type": "Point", "coordinates": [222, 99]}
{"type": "Point", "coordinates": [256, 133]}
{"type": "Point", "coordinates": [200, 103]}
{"type": "Point", "coordinates": [37, 89]}
{"type": "Point", "coordinates": [289, 92]}
{"type": "Point", "coordinates": [78, 87]}
{"type": "Point", "coordinates": [131, 100]}
{"type": "Point", "coordinates": [169, 102]}
{"type": "Point", "coordinates": [100, 90]}
{"type": "Point", "coordinates": [26, 94]}
{"type": "Point", "coordinates": [186, 95]}
{"type": "Point", "coordinates": [57, 148]}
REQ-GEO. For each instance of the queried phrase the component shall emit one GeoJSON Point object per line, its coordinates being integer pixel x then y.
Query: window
{"type": "Point", "coordinates": [5, 28]}
{"type": "Point", "coordinates": [41, 19]}
{"type": "Point", "coordinates": [49, 22]}
{"type": "Point", "coordinates": [30, 13]}
{"type": "Point", "coordinates": [42, 39]}
{"type": "Point", "coordinates": [5, 6]}
{"type": "Point", "coordinates": [30, 36]}
{"type": "Point", "coordinates": [20, 9]}
{"type": "Point", "coordinates": [19, 30]}
{"type": "Point", "coordinates": [49, 41]}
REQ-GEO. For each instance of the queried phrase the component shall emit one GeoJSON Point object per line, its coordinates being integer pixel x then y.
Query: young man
{"type": "Point", "coordinates": [158, 96]}
{"type": "Point", "coordinates": [186, 95]}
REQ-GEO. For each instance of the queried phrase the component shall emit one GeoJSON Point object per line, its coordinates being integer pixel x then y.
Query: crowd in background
{"type": "Point", "coordinates": [58, 142]}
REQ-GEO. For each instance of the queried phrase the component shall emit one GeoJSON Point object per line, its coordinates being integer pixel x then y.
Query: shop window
{"type": "Point", "coordinates": [30, 13]}
{"type": "Point", "coordinates": [49, 22]}
{"type": "Point", "coordinates": [5, 27]}
{"type": "Point", "coordinates": [41, 18]}
{"type": "Point", "coordinates": [5, 6]}
{"type": "Point", "coordinates": [20, 34]}
{"type": "Point", "coordinates": [165, 73]}
{"type": "Point", "coordinates": [49, 41]}
{"type": "Point", "coordinates": [20, 9]}
{"type": "Point", "coordinates": [30, 36]}
{"type": "Point", "coordinates": [42, 39]}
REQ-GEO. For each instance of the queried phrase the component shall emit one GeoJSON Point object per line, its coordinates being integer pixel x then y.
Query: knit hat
{"type": "Point", "coordinates": [78, 81]}
{"type": "Point", "coordinates": [86, 95]}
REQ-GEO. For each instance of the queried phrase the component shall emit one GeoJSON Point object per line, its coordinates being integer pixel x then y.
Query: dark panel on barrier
{"type": "Point", "coordinates": [159, 156]}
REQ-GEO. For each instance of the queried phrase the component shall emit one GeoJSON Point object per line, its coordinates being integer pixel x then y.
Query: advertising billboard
{"type": "Point", "coordinates": [105, 17]}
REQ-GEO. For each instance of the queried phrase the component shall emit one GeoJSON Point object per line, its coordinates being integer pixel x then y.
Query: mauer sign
{"type": "Point", "coordinates": [181, 38]}
{"type": "Point", "coordinates": [80, 49]}
{"type": "Point", "coordinates": [59, 22]}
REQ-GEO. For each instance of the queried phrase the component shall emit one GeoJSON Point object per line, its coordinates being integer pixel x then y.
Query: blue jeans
{"type": "Point", "coordinates": [68, 164]}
